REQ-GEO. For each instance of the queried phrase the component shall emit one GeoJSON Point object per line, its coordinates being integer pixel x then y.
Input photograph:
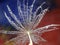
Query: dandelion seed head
{"type": "Point", "coordinates": [26, 26]}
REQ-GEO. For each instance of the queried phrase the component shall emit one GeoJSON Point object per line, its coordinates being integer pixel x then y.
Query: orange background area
{"type": "Point", "coordinates": [51, 17]}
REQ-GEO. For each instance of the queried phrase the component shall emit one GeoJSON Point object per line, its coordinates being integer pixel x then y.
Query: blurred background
{"type": "Point", "coordinates": [52, 17]}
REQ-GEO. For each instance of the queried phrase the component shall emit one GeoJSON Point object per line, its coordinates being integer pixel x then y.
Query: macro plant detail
{"type": "Point", "coordinates": [26, 28]}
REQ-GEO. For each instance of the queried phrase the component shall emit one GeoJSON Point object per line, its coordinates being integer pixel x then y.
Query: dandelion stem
{"type": "Point", "coordinates": [31, 43]}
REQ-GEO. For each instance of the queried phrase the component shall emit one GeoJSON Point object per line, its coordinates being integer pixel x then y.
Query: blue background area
{"type": "Point", "coordinates": [13, 6]}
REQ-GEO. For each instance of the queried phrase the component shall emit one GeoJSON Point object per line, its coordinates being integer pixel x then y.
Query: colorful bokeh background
{"type": "Point", "coordinates": [51, 17]}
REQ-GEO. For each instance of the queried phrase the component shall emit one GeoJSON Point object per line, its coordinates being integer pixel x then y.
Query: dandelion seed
{"type": "Point", "coordinates": [26, 30]}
